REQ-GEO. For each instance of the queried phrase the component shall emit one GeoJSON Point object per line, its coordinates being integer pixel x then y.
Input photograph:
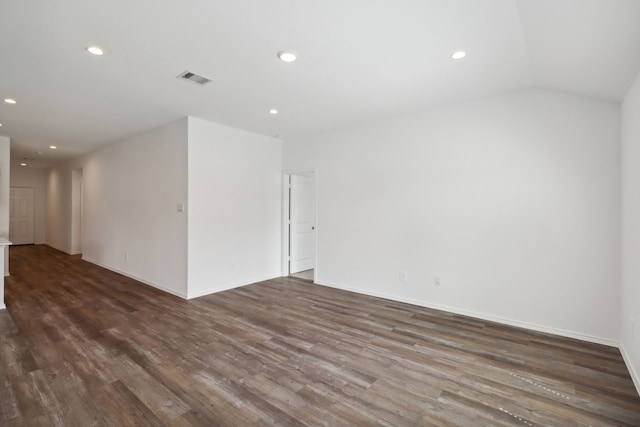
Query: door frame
{"type": "Point", "coordinates": [286, 204]}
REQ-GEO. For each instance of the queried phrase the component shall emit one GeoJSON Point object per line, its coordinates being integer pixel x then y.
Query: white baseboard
{"type": "Point", "coordinates": [139, 279]}
{"type": "Point", "coordinates": [2, 306]}
{"type": "Point", "coordinates": [632, 370]}
{"type": "Point", "coordinates": [232, 286]}
{"type": "Point", "coordinates": [58, 248]}
{"type": "Point", "coordinates": [482, 316]}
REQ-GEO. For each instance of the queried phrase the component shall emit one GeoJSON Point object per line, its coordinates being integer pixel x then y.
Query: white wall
{"type": "Point", "coordinates": [229, 231]}
{"type": "Point", "coordinates": [58, 209]}
{"type": "Point", "coordinates": [234, 207]}
{"type": "Point", "coordinates": [630, 294]}
{"type": "Point", "coordinates": [5, 177]}
{"type": "Point", "coordinates": [130, 220]}
{"type": "Point", "coordinates": [36, 179]}
{"type": "Point", "coordinates": [76, 211]}
{"type": "Point", "coordinates": [513, 202]}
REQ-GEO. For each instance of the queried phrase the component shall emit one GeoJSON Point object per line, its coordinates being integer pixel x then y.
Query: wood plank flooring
{"type": "Point", "coordinates": [83, 346]}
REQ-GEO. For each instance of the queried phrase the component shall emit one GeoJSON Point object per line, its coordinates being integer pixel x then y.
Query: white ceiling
{"type": "Point", "coordinates": [358, 60]}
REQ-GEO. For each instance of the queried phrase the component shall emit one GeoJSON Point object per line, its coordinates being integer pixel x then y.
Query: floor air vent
{"type": "Point", "coordinates": [194, 78]}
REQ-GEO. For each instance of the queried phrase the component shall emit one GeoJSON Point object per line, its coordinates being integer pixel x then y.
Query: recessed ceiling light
{"type": "Point", "coordinates": [10, 101]}
{"type": "Point", "coordinates": [0, 124]}
{"type": "Point", "coordinates": [287, 56]}
{"type": "Point", "coordinates": [273, 111]}
{"type": "Point", "coordinates": [53, 147]}
{"type": "Point", "coordinates": [95, 50]}
{"type": "Point", "coordinates": [459, 54]}
{"type": "Point", "coordinates": [23, 164]}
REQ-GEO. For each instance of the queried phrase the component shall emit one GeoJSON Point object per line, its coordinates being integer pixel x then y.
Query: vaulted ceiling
{"type": "Point", "coordinates": [358, 60]}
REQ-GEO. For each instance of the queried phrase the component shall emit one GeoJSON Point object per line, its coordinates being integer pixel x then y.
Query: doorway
{"type": "Point", "coordinates": [301, 225]}
{"type": "Point", "coordinates": [22, 215]}
{"type": "Point", "coordinates": [76, 211]}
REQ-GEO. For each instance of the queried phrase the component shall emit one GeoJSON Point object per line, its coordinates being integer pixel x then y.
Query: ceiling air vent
{"type": "Point", "coordinates": [193, 78]}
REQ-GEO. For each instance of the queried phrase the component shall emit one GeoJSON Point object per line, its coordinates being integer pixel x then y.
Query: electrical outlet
{"type": "Point", "coordinates": [436, 280]}
{"type": "Point", "coordinates": [633, 328]}
{"type": "Point", "coordinates": [126, 256]}
{"type": "Point", "coordinates": [403, 276]}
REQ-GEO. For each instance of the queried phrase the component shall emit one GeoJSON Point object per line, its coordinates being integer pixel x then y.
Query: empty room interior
{"type": "Point", "coordinates": [293, 212]}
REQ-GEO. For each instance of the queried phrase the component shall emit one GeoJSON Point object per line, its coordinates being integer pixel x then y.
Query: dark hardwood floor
{"type": "Point", "coordinates": [83, 346]}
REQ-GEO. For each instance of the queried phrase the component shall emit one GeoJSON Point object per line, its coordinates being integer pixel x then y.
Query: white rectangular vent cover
{"type": "Point", "coordinates": [194, 78]}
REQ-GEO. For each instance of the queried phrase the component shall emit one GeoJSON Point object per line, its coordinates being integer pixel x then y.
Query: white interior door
{"type": "Point", "coordinates": [22, 216]}
{"type": "Point", "coordinates": [302, 234]}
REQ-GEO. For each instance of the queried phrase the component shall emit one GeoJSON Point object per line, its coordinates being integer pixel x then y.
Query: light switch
{"type": "Point", "coordinates": [180, 207]}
